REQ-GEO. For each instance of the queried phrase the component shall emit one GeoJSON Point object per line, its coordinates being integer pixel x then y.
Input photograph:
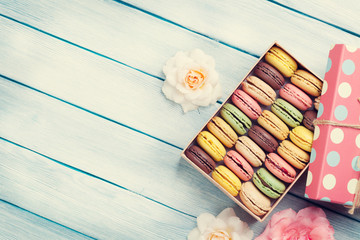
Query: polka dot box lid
{"type": "Point", "coordinates": [333, 169]}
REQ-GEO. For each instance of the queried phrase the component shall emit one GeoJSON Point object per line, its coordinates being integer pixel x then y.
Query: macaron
{"type": "Point", "coordinates": [281, 60]}
{"type": "Point", "coordinates": [268, 183]}
{"type": "Point", "coordinates": [297, 157]}
{"type": "Point", "coordinates": [250, 151]}
{"type": "Point", "coordinates": [295, 96]}
{"type": "Point", "coordinates": [269, 75]}
{"type": "Point", "coordinates": [264, 139]}
{"type": "Point", "coordinates": [211, 145]}
{"type": "Point", "coordinates": [280, 168]}
{"type": "Point", "coordinates": [246, 104]}
{"type": "Point", "coordinates": [273, 125]}
{"type": "Point", "coordinates": [236, 118]}
{"type": "Point", "coordinates": [307, 82]}
{"type": "Point", "coordinates": [227, 179]}
{"type": "Point", "coordinates": [236, 163]}
{"type": "Point", "coordinates": [302, 137]}
{"type": "Point", "coordinates": [309, 117]}
{"type": "Point", "coordinates": [287, 112]}
{"type": "Point", "coordinates": [254, 200]}
{"type": "Point", "coordinates": [222, 131]}
{"type": "Point", "coordinates": [259, 90]}
{"type": "Point", "coordinates": [200, 158]}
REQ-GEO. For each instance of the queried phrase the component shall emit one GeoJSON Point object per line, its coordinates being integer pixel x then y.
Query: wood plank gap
{"type": "Point", "coordinates": [314, 18]}
{"type": "Point", "coordinates": [47, 219]}
{"type": "Point", "coordinates": [94, 176]}
{"type": "Point", "coordinates": [89, 111]}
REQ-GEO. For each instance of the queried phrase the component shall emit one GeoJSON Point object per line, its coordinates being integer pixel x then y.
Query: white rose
{"type": "Point", "coordinates": [226, 226]}
{"type": "Point", "coordinates": [191, 80]}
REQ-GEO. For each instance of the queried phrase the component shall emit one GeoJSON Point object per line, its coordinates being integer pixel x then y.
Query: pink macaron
{"type": "Point", "coordinates": [246, 104]}
{"type": "Point", "coordinates": [238, 165]}
{"type": "Point", "coordinates": [280, 168]}
{"type": "Point", "coordinates": [295, 96]}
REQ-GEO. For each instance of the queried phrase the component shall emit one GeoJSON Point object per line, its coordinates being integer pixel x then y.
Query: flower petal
{"type": "Point", "coordinates": [186, 106]}
{"type": "Point", "coordinates": [311, 212]}
{"type": "Point", "coordinates": [226, 213]}
{"type": "Point", "coordinates": [194, 234]}
{"type": "Point", "coordinates": [204, 221]}
{"type": "Point", "coordinates": [218, 224]}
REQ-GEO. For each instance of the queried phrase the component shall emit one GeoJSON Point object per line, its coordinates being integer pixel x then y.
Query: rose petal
{"type": "Point", "coordinates": [188, 107]}
{"type": "Point", "coordinates": [194, 234]}
{"type": "Point", "coordinates": [226, 213]}
{"type": "Point", "coordinates": [218, 224]}
{"type": "Point", "coordinates": [311, 212]}
{"type": "Point", "coordinates": [204, 220]}
{"type": "Point", "coordinates": [319, 233]}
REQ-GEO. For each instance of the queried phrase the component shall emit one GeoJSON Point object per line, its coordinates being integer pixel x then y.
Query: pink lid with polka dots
{"type": "Point", "coordinates": [333, 170]}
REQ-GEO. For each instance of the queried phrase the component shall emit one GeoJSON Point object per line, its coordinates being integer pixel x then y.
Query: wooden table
{"type": "Point", "coordinates": [90, 147]}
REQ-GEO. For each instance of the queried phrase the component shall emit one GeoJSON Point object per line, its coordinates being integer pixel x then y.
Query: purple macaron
{"type": "Point", "coordinates": [269, 75]}
{"type": "Point", "coordinates": [200, 158]}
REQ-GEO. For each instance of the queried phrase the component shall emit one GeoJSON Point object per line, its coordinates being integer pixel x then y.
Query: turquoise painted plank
{"type": "Point", "coordinates": [341, 14]}
{"type": "Point", "coordinates": [17, 223]}
{"type": "Point", "coordinates": [251, 24]}
{"type": "Point", "coordinates": [92, 82]}
{"type": "Point", "coordinates": [105, 211]}
{"type": "Point", "coordinates": [84, 203]}
{"type": "Point", "coordinates": [125, 35]}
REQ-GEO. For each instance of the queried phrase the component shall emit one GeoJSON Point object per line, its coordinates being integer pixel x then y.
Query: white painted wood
{"type": "Point", "coordinates": [343, 13]}
{"type": "Point", "coordinates": [106, 211]}
{"type": "Point", "coordinates": [87, 204]}
{"type": "Point", "coordinates": [92, 82]}
{"type": "Point", "coordinates": [105, 149]}
{"type": "Point", "coordinates": [16, 223]}
{"type": "Point", "coordinates": [119, 32]}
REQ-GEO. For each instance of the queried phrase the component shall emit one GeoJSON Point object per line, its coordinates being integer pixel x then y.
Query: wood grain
{"type": "Point", "coordinates": [15, 223]}
{"type": "Point", "coordinates": [104, 211]}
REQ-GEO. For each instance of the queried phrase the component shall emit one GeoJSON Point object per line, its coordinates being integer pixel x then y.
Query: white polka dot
{"type": "Point", "coordinates": [309, 178]}
{"type": "Point", "coordinates": [351, 186]}
{"type": "Point", "coordinates": [329, 181]}
{"type": "Point", "coordinates": [357, 140]}
{"type": "Point", "coordinates": [351, 48]}
{"type": "Point", "coordinates": [316, 132]}
{"type": "Point", "coordinates": [337, 135]}
{"type": "Point", "coordinates": [344, 90]}
{"type": "Point", "coordinates": [324, 87]}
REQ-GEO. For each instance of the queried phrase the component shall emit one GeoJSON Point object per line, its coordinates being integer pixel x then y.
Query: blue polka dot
{"type": "Point", "coordinates": [321, 110]}
{"type": "Point", "coordinates": [328, 66]}
{"type": "Point", "coordinates": [325, 199]}
{"type": "Point", "coordinates": [348, 203]}
{"type": "Point", "coordinates": [348, 67]}
{"type": "Point", "coordinates": [341, 112]}
{"type": "Point", "coordinates": [354, 165]}
{"type": "Point", "coordinates": [313, 155]}
{"type": "Point", "coordinates": [333, 158]}
{"type": "Point", "coordinates": [306, 196]}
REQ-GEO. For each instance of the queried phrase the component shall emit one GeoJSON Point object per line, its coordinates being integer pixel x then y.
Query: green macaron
{"type": "Point", "coordinates": [287, 112]}
{"type": "Point", "coordinates": [236, 118]}
{"type": "Point", "coordinates": [268, 183]}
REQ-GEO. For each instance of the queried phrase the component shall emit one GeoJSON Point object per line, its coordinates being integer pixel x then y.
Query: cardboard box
{"type": "Point", "coordinates": [193, 142]}
{"type": "Point", "coordinates": [333, 170]}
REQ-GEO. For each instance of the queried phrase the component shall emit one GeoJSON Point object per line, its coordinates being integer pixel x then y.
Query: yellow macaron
{"type": "Point", "coordinates": [211, 145]}
{"type": "Point", "coordinates": [307, 82]}
{"type": "Point", "coordinates": [222, 131]}
{"type": "Point", "coordinates": [227, 179]}
{"type": "Point", "coordinates": [281, 60]}
{"type": "Point", "coordinates": [293, 154]}
{"type": "Point", "coordinates": [302, 137]}
{"type": "Point", "coordinates": [273, 125]}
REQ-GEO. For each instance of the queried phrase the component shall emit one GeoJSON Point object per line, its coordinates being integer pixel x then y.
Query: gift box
{"type": "Point", "coordinates": [334, 168]}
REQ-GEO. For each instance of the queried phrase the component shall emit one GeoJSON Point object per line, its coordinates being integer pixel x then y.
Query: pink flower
{"type": "Point", "coordinates": [308, 224]}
